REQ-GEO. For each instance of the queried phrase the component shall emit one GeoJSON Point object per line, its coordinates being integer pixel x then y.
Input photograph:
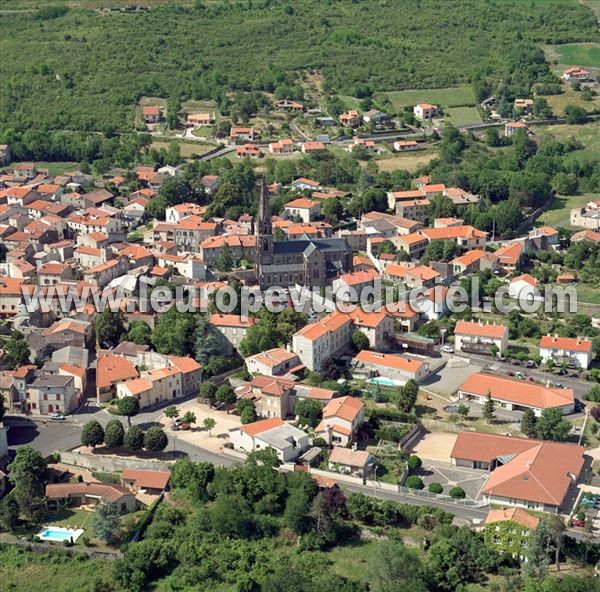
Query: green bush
{"type": "Point", "coordinates": [435, 488]}
{"type": "Point", "coordinates": [414, 482]}
{"type": "Point", "coordinates": [457, 493]}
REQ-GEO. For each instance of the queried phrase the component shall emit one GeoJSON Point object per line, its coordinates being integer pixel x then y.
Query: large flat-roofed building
{"type": "Point", "coordinates": [515, 394]}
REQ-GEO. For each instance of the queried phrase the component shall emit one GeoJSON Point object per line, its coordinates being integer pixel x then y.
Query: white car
{"type": "Point", "coordinates": [448, 349]}
{"type": "Point", "coordinates": [57, 416]}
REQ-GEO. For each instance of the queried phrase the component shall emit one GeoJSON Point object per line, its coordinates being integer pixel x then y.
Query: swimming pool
{"type": "Point", "coordinates": [382, 380]}
{"type": "Point", "coordinates": [57, 533]}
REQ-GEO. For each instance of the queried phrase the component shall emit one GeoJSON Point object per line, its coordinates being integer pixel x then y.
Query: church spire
{"type": "Point", "coordinates": [265, 224]}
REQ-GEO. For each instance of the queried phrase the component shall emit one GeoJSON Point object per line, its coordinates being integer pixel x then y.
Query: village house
{"type": "Point", "coordinates": [526, 473]}
{"type": "Point", "coordinates": [195, 120]}
{"type": "Point", "coordinates": [284, 146]}
{"type": "Point", "coordinates": [576, 73]}
{"type": "Point", "coordinates": [242, 134]}
{"type": "Point", "coordinates": [274, 362]}
{"type": "Point", "coordinates": [516, 395]}
{"type": "Point", "coordinates": [357, 281]}
{"type": "Point", "coordinates": [289, 106]}
{"type": "Point", "coordinates": [232, 327]}
{"type": "Point", "coordinates": [303, 184]}
{"type": "Point", "coordinates": [419, 276]}
{"type": "Point", "coordinates": [240, 247]}
{"type": "Point", "coordinates": [407, 145]}
{"type": "Point", "coordinates": [352, 462]}
{"type": "Point", "coordinates": [368, 145]}
{"type": "Point", "coordinates": [350, 119]}
{"type": "Point", "coordinates": [90, 494]}
{"type": "Point", "coordinates": [523, 105]}
{"type": "Point", "coordinates": [151, 113]}
{"type": "Point", "coordinates": [508, 257]}
{"type": "Point", "coordinates": [413, 245]}
{"type": "Point", "coordinates": [478, 337]}
{"type": "Point", "coordinates": [466, 236]}
{"type": "Point", "coordinates": [110, 371]}
{"type": "Point", "coordinates": [509, 530]}
{"type": "Point", "coordinates": [342, 418]}
{"type": "Point", "coordinates": [286, 440]}
{"type": "Point", "coordinates": [310, 147]}
{"type": "Point", "coordinates": [524, 287]}
{"type": "Point", "coordinates": [306, 210]}
{"type": "Point", "coordinates": [575, 352]}
{"type": "Point", "coordinates": [145, 481]}
{"type": "Point", "coordinates": [425, 111]}
{"type": "Point", "coordinates": [375, 116]}
{"type": "Point", "coordinates": [512, 127]}
{"type": "Point", "coordinates": [248, 151]}
{"type": "Point", "coordinates": [471, 262]}
{"type": "Point", "coordinates": [52, 393]}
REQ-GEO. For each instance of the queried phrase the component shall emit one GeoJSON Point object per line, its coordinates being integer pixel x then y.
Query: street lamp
{"type": "Point", "coordinates": [443, 332]}
{"type": "Point", "coordinates": [375, 481]}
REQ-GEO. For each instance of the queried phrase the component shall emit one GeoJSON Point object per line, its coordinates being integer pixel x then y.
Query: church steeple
{"type": "Point", "coordinates": [265, 224]}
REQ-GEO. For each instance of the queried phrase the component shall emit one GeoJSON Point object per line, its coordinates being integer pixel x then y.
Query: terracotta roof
{"type": "Point", "coordinates": [351, 458]}
{"type": "Point", "coordinates": [111, 369]}
{"type": "Point", "coordinates": [185, 364]}
{"type": "Point", "coordinates": [480, 329]}
{"type": "Point", "coordinates": [301, 203]}
{"type": "Point", "coordinates": [525, 278]}
{"type": "Point", "coordinates": [146, 479]}
{"type": "Point", "coordinates": [258, 427]}
{"type": "Point", "coordinates": [273, 357]}
{"type": "Point", "coordinates": [567, 343]}
{"type": "Point", "coordinates": [509, 254]}
{"type": "Point", "coordinates": [469, 257]}
{"type": "Point", "coordinates": [230, 320]}
{"type": "Point", "coordinates": [346, 408]}
{"type": "Point", "coordinates": [452, 232]}
{"type": "Point", "coordinates": [517, 515]}
{"type": "Point", "coordinates": [517, 391]}
{"type": "Point", "coordinates": [305, 181]}
{"type": "Point", "coordinates": [397, 362]}
{"type": "Point", "coordinates": [359, 277]}
{"type": "Point", "coordinates": [106, 492]}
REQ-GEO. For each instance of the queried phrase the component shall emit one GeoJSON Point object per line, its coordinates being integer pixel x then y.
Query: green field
{"type": "Point", "coordinates": [57, 168]}
{"type": "Point", "coordinates": [558, 213]}
{"type": "Point", "coordinates": [589, 294]}
{"type": "Point", "coordinates": [579, 54]}
{"type": "Point", "coordinates": [588, 135]}
{"type": "Point", "coordinates": [446, 97]}
{"type": "Point", "coordinates": [462, 115]}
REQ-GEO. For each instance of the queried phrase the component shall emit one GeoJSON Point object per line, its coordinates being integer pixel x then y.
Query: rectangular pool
{"type": "Point", "coordinates": [57, 533]}
{"type": "Point", "coordinates": [382, 380]}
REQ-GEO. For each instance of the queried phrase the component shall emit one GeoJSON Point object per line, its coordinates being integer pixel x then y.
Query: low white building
{"type": "Point", "coordinates": [575, 352]}
{"type": "Point", "coordinates": [286, 440]}
{"type": "Point", "coordinates": [395, 367]}
{"type": "Point", "coordinates": [273, 362]}
{"type": "Point", "coordinates": [425, 110]}
{"type": "Point", "coordinates": [306, 210]}
{"type": "Point", "coordinates": [523, 286]}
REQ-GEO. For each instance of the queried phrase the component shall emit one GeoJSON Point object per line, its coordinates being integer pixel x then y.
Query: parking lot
{"type": "Point", "coordinates": [471, 480]}
{"type": "Point", "coordinates": [446, 381]}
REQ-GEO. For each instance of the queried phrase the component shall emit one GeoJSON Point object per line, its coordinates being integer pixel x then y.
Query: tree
{"type": "Point", "coordinates": [106, 522]}
{"type": "Point", "coordinates": [309, 411]}
{"type": "Point", "coordinates": [140, 332]}
{"type": "Point", "coordinates": [110, 326]}
{"type": "Point", "coordinates": [329, 370]}
{"type": "Point", "coordinates": [548, 534]}
{"type": "Point", "coordinates": [297, 509]}
{"type": "Point", "coordinates": [414, 482]}
{"type": "Point", "coordinates": [208, 390]}
{"type": "Point", "coordinates": [414, 462]}
{"type": "Point", "coordinates": [155, 439]}
{"type": "Point", "coordinates": [172, 413]}
{"type": "Point", "coordinates": [248, 415]}
{"type": "Point", "coordinates": [208, 342]}
{"type": "Point", "coordinates": [488, 409]}
{"type": "Point", "coordinates": [209, 423]}
{"type": "Point", "coordinates": [595, 413]}
{"type": "Point", "coordinates": [332, 210]}
{"type": "Point", "coordinates": [92, 434]}
{"type": "Point", "coordinates": [16, 350]}
{"type": "Point", "coordinates": [114, 434]}
{"type": "Point", "coordinates": [551, 425]}
{"type": "Point", "coordinates": [225, 394]}
{"type": "Point", "coordinates": [396, 567]}
{"type": "Point", "coordinates": [360, 340]}
{"type": "Point", "coordinates": [564, 183]}
{"type": "Point", "coordinates": [224, 262]}
{"type": "Point", "coordinates": [29, 474]}
{"type": "Point", "coordinates": [408, 396]}
{"type": "Point", "coordinates": [575, 115]}
{"type": "Point", "coordinates": [128, 407]}
{"type": "Point", "coordinates": [174, 332]}
{"type": "Point", "coordinates": [457, 492]}
{"type": "Point", "coordinates": [594, 394]}
{"type": "Point", "coordinates": [463, 410]}
{"type": "Point", "coordinates": [529, 423]}
{"type": "Point", "coordinates": [541, 108]}
{"type": "Point", "coordinates": [189, 417]}
{"type": "Point", "coordinates": [9, 513]}
{"type": "Point", "coordinates": [134, 438]}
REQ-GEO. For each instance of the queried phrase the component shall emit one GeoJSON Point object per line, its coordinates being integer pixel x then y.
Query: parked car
{"type": "Point", "coordinates": [516, 362]}
{"type": "Point", "coordinates": [530, 364]}
{"type": "Point", "coordinates": [57, 416]}
{"type": "Point", "coordinates": [509, 373]}
{"type": "Point", "coordinates": [448, 349]}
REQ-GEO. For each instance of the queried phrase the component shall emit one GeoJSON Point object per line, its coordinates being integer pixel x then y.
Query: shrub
{"type": "Point", "coordinates": [414, 482]}
{"type": "Point", "coordinates": [414, 462]}
{"type": "Point", "coordinates": [457, 493]}
{"type": "Point", "coordinates": [435, 488]}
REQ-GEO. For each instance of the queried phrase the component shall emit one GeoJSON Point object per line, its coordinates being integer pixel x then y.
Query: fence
{"type": "Point", "coordinates": [110, 464]}
{"type": "Point", "coordinates": [443, 498]}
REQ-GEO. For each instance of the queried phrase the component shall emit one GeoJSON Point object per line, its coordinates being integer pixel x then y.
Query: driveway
{"type": "Point", "coordinates": [447, 380]}
{"type": "Point", "coordinates": [448, 476]}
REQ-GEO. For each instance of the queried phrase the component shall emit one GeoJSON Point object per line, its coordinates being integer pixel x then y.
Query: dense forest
{"type": "Point", "coordinates": [85, 70]}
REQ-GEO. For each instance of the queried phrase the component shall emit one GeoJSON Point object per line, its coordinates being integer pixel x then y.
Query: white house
{"type": "Point", "coordinates": [477, 337]}
{"type": "Point", "coordinates": [286, 440]}
{"type": "Point", "coordinates": [424, 110]}
{"type": "Point", "coordinates": [273, 362]}
{"type": "Point", "coordinates": [574, 351]}
{"type": "Point", "coordinates": [341, 419]}
{"type": "Point", "coordinates": [306, 210]}
{"type": "Point", "coordinates": [523, 286]}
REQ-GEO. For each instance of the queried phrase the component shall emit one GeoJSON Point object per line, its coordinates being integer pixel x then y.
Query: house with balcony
{"type": "Point", "coordinates": [576, 352]}
{"type": "Point", "coordinates": [480, 338]}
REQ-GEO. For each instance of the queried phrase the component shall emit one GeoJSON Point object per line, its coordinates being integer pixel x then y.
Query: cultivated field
{"type": "Point", "coordinates": [406, 162]}
{"type": "Point", "coordinates": [462, 115]}
{"type": "Point", "coordinates": [187, 149]}
{"type": "Point", "coordinates": [446, 97]}
{"type": "Point", "coordinates": [570, 97]}
{"type": "Point", "coordinates": [577, 54]}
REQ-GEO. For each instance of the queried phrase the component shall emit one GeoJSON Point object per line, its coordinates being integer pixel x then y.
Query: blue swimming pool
{"type": "Point", "coordinates": [57, 533]}
{"type": "Point", "coordinates": [382, 380]}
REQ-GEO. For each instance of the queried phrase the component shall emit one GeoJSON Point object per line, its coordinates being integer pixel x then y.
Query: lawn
{"type": "Point", "coordinates": [56, 168]}
{"type": "Point", "coordinates": [579, 54]}
{"type": "Point", "coordinates": [23, 571]}
{"type": "Point", "coordinates": [187, 149]}
{"type": "Point", "coordinates": [352, 560]}
{"type": "Point", "coordinates": [558, 214]}
{"type": "Point", "coordinates": [570, 97]}
{"type": "Point", "coordinates": [587, 293]}
{"type": "Point", "coordinates": [462, 115]}
{"type": "Point", "coordinates": [407, 162]}
{"type": "Point", "coordinates": [446, 97]}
